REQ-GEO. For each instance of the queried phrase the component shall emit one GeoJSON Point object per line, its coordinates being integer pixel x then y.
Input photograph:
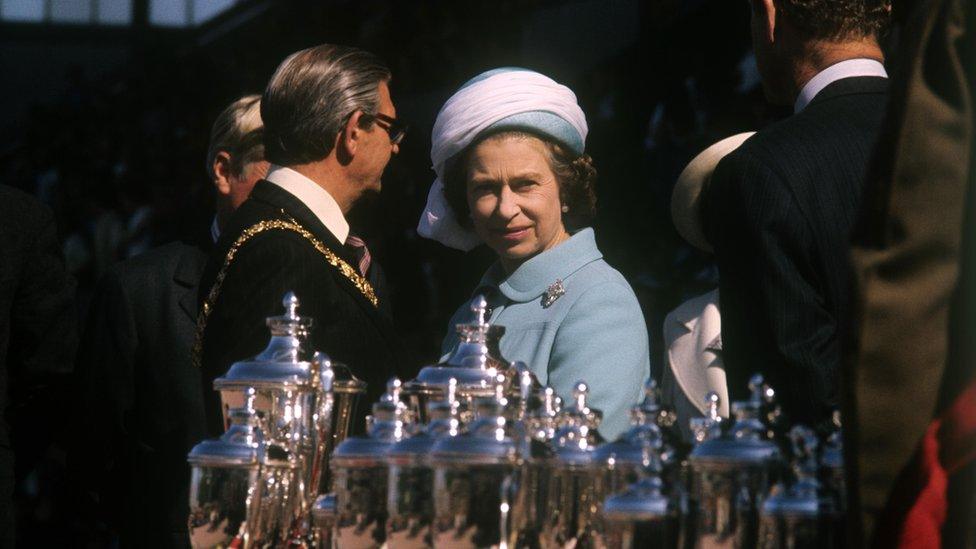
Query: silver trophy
{"type": "Point", "coordinates": [471, 472]}
{"type": "Point", "coordinates": [802, 515]}
{"type": "Point", "coordinates": [731, 475]}
{"type": "Point", "coordinates": [298, 411]}
{"type": "Point", "coordinates": [302, 404]}
{"type": "Point", "coordinates": [474, 364]}
{"type": "Point", "coordinates": [645, 514]}
{"type": "Point", "coordinates": [361, 474]}
{"type": "Point", "coordinates": [639, 452]}
{"type": "Point", "coordinates": [574, 489]}
{"type": "Point", "coordinates": [231, 500]}
{"type": "Point", "coordinates": [410, 495]}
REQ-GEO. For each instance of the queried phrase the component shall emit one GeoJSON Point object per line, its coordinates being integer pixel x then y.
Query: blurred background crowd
{"type": "Point", "coordinates": [107, 112]}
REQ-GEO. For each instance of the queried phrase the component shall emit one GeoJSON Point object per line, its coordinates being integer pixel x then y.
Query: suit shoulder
{"type": "Point", "coordinates": [157, 262]}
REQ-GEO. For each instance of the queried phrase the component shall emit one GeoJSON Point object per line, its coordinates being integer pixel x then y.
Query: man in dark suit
{"type": "Point", "coordinates": [141, 408]}
{"type": "Point", "coordinates": [37, 339]}
{"type": "Point", "coordinates": [330, 129]}
{"type": "Point", "coordinates": [780, 208]}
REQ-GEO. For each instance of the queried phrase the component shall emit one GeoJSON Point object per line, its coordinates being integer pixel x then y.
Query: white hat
{"type": "Point", "coordinates": [685, 213]}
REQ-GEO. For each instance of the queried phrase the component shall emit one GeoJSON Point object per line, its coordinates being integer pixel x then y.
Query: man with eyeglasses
{"type": "Point", "coordinates": [330, 129]}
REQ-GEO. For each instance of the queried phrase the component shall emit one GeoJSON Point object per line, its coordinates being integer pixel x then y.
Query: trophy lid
{"type": "Point", "coordinates": [576, 438]}
{"type": "Point", "coordinates": [444, 421]}
{"type": "Point", "coordinates": [746, 443]}
{"type": "Point", "coordinates": [649, 409]}
{"type": "Point", "coordinates": [645, 435]}
{"type": "Point", "coordinates": [286, 361]}
{"type": "Point", "coordinates": [489, 440]}
{"type": "Point", "coordinates": [389, 426]}
{"type": "Point", "coordinates": [642, 501]}
{"type": "Point", "coordinates": [475, 360]}
{"type": "Point", "coordinates": [242, 445]}
{"type": "Point", "coordinates": [804, 498]}
{"type": "Point", "coordinates": [710, 426]}
{"type": "Point", "coordinates": [543, 420]}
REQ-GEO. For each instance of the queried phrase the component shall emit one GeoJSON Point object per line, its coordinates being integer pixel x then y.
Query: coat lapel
{"type": "Point", "coordinates": [187, 278]}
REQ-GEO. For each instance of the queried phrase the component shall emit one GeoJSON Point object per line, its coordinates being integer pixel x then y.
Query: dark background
{"type": "Point", "coordinates": [108, 125]}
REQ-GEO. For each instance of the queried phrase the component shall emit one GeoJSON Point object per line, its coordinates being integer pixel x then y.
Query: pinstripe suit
{"type": "Point", "coordinates": [347, 326]}
{"type": "Point", "coordinates": [779, 211]}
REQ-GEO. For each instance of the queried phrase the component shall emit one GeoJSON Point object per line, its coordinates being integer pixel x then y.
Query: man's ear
{"type": "Point", "coordinates": [765, 10]}
{"type": "Point", "coordinates": [352, 135]}
{"type": "Point", "coordinates": [222, 172]}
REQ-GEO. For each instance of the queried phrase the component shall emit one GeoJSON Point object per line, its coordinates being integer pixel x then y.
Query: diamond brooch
{"type": "Point", "coordinates": [553, 292]}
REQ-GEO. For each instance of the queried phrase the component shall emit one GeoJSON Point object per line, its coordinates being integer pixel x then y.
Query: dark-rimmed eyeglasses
{"type": "Point", "coordinates": [396, 129]}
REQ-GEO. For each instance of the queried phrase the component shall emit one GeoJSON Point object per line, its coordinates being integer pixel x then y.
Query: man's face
{"type": "Point", "coordinates": [377, 148]}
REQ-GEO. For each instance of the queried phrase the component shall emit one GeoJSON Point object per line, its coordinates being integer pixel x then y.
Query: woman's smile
{"type": "Point", "coordinates": [513, 234]}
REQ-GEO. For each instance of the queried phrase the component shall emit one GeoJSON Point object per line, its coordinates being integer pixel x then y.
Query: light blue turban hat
{"type": "Point", "coordinates": [501, 99]}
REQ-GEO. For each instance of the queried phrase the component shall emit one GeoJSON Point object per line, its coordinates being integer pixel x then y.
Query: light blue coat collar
{"type": "Point", "coordinates": [534, 277]}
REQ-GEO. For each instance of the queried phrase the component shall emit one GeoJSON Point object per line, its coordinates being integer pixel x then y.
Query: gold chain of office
{"type": "Point", "coordinates": [345, 269]}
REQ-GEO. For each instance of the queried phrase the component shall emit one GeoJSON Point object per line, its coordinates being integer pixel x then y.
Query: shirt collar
{"type": "Point", "coordinates": [214, 230]}
{"type": "Point", "coordinates": [532, 278]}
{"type": "Point", "coordinates": [833, 73]}
{"type": "Point", "coordinates": [325, 208]}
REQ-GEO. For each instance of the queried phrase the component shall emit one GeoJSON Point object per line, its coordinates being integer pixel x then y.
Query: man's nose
{"type": "Point", "coordinates": [396, 148]}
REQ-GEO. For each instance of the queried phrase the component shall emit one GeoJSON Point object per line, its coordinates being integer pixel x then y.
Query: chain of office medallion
{"type": "Point", "coordinates": [347, 271]}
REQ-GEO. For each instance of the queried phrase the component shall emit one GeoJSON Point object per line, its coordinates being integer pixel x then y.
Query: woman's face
{"type": "Point", "coordinates": [513, 197]}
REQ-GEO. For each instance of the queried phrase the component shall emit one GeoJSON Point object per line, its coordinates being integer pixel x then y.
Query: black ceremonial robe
{"type": "Point", "coordinates": [289, 251]}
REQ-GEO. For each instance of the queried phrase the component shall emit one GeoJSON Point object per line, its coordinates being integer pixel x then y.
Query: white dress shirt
{"type": "Point", "coordinates": [314, 196]}
{"type": "Point", "coordinates": [833, 73]}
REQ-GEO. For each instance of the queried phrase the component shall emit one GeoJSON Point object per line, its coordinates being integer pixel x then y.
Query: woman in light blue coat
{"type": "Point", "coordinates": [512, 174]}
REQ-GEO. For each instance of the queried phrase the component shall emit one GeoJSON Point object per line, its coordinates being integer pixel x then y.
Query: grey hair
{"type": "Point", "coordinates": [237, 131]}
{"type": "Point", "coordinates": [311, 96]}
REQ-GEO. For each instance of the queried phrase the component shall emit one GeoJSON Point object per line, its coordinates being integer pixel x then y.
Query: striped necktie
{"type": "Point", "coordinates": [361, 252]}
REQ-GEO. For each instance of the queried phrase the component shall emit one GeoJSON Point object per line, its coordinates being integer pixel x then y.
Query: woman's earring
{"type": "Point", "coordinates": [565, 208]}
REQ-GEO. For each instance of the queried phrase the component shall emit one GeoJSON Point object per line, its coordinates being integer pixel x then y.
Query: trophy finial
{"type": "Point", "coordinates": [393, 387]}
{"type": "Point", "coordinates": [550, 402]}
{"type": "Point", "coordinates": [757, 388]}
{"type": "Point", "coordinates": [326, 375]}
{"type": "Point", "coordinates": [290, 303]}
{"type": "Point", "coordinates": [479, 306]}
{"type": "Point", "coordinates": [452, 390]}
{"type": "Point", "coordinates": [651, 393]}
{"type": "Point", "coordinates": [580, 392]}
{"type": "Point", "coordinates": [249, 396]}
{"type": "Point", "coordinates": [804, 442]}
{"type": "Point", "coordinates": [712, 404]}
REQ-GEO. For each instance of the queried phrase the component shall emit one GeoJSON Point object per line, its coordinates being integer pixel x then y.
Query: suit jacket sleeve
{"type": "Point", "coordinates": [773, 318]}
{"type": "Point", "coordinates": [603, 341]}
{"type": "Point", "coordinates": [106, 360]}
{"type": "Point", "coordinates": [43, 342]}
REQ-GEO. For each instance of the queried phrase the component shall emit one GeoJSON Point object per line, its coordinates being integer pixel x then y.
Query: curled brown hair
{"type": "Point", "coordinates": [837, 19]}
{"type": "Point", "coordinates": [575, 175]}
